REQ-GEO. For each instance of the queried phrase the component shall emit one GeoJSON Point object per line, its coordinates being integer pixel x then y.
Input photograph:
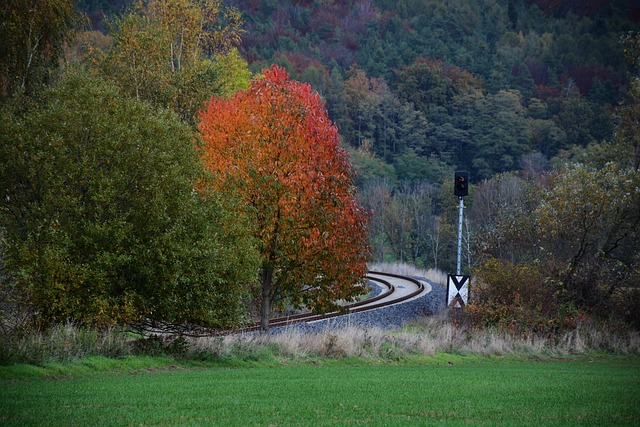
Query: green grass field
{"type": "Point", "coordinates": [598, 390]}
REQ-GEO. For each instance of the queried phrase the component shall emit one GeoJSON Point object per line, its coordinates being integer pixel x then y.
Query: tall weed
{"type": "Point", "coordinates": [426, 337]}
{"type": "Point", "coordinates": [62, 342]}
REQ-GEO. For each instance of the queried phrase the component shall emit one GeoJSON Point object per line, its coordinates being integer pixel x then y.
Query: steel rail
{"type": "Point", "coordinates": [364, 305]}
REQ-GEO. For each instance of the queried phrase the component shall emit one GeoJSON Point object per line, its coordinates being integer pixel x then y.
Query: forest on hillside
{"type": "Point", "coordinates": [427, 86]}
{"type": "Point", "coordinates": [421, 88]}
{"type": "Point", "coordinates": [536, 99]}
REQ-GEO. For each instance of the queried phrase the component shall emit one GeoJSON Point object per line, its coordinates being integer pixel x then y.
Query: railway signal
{"type": "Point", "coordinates": [460, 189]}
{"type": "Point", "coordinates": [458, 285]}
{"type": "Point", "coordinates": [461, 184]}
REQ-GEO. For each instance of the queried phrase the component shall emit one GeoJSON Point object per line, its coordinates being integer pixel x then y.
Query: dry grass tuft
{"type": "Point", "coordinates": [426, 337]}
{"type": "Point", "coordinates": [62, 342]}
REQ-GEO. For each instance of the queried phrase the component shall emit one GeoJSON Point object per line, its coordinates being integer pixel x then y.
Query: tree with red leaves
{"type": "Point", "coordinates": [274, 147]}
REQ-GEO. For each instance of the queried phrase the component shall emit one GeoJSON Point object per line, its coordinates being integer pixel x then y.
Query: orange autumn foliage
{"type": "Point", "coordinates": [274, 147]}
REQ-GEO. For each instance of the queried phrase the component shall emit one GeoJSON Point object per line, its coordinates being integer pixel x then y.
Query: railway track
{"type": "Point", "coordinates": [395, 289]}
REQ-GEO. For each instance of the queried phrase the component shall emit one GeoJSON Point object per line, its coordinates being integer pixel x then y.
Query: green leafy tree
{"type": "Point", "coordinates": [33, 34]}
{"type": "Point", "coordinates": [588, 224]}
{"type": "Point", "coordinates": [423, 84]}
{"type": "Point", "coordinates": [583, 122]}
{"type": "Point", "coordinates": [628, 132]}
{"type": "Point", "coordinates": [368, 167]}
{"type": "Point", "coordinates": [336, 103]}
{"type": "Point", "coordinates": [376, 116]}
{"type": "Point", "coordinates": [101, 221]}
{"type": "Point", "coordinates": [363, 97]}
{"type": "Point", "coordinates": [177, 53]}
{"type": "Point", "coordinates": [495, 132]}
{"type": "Point", "coordinates": [579, 227]}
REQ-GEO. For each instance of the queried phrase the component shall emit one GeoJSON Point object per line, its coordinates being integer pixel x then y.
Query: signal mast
{"type": "Point", "coordinates": [457, 285]}
{"type": "Point", "coordinates": [460, 189]}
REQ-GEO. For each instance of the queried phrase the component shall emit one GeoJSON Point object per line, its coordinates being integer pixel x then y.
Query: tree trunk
{"type": "Point", "coordinates": [265, 312]}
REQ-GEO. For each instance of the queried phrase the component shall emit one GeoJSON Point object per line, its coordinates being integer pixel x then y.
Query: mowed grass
{"type": "Point", "coordinates": [456, 390]}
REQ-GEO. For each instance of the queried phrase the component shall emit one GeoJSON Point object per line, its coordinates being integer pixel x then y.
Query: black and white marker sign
{"type": "Point", "coordinates": [457, 291]}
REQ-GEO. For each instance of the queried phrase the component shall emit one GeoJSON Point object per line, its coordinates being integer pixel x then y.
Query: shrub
{"type": "Point", "coordinates": [99, 218]}
{"type": "Point", "coordinates": [518, 298]}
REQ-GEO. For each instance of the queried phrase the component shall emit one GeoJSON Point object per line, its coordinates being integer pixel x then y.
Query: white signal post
{"type": "Point", "coordinates": [458, 286]}
{"type": "Point", "coordinates": [461, 211]}
{"type": "Point", "coordinates": [460, 189]}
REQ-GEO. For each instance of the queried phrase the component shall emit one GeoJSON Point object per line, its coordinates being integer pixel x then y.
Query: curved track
{"type": "Point", "coordinates": [396, 289]}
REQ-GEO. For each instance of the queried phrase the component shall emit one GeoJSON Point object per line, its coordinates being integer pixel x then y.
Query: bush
{"type": "Point", "coordinates": [518, 298]}
{"type": "Point", "coordinates": [573, 241]}
{"type": "Point", "coordinates": [99, 218]}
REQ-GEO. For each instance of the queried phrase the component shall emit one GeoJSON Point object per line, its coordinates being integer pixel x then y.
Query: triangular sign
{"type": "Point", "coordinates": [458, 281]}
{"type": "Point", "coordinates": [457, 302]}
{"type": "Point", "coordinates": [457, 291]}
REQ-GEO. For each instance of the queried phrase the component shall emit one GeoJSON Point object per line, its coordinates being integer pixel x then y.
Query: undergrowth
{"type": "Point", "coordinates": [426, 337]}
{"type": "Point", "coordinates": [62, 343]}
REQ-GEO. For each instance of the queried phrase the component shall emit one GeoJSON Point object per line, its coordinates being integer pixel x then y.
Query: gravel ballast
{"type": "Point", "coordinates": [392, 316]}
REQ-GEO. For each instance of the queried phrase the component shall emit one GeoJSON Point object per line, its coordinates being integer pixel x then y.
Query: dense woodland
{"type": "Point", "coordinates": [537, 99]}
{"type": "Point", "coordinates": [421, 88]}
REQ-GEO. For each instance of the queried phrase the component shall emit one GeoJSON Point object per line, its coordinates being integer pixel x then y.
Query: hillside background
{"type": "Point", "coordinates": [421, 88]}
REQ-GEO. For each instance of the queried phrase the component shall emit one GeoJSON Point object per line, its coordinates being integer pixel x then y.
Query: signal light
{"type": "Point", "coordinates": [461, 184]}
